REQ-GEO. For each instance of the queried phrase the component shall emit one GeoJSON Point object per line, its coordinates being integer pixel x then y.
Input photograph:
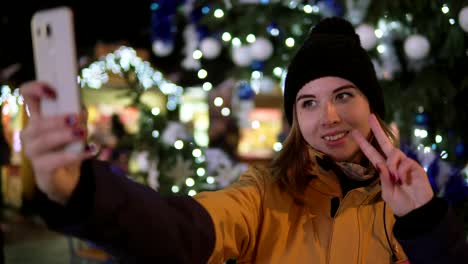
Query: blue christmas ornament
{"type": "Point", "coordinates": [456, 190]}
{"type": "Point", "coordinates": [154, 6]}
{"type": "Point", "coordinates": [163, 14]}
{"type": "Point", "coordinates": [205, 10]}
{"type": "Point", "coordinates": [446, 181]}
{"type": "Point", "coordinates": [195, 16]}
{"type": "Point", "coordinates": [422, 119]}
{"type": "Point", "coordinates": [460, 149]}
{"type": "Point", "coordinates": [433, 172]}
{"type": "Point", "coordinates": [273, 29]}
{"type": "Point", "coordinates": [335, 7]}
{"type": "Point", "coordinates": [257, 65]}
{"type": "Point", "coordinates": [245, 91]}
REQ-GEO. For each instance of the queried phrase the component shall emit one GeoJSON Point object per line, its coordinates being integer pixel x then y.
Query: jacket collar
{"type": "Point", "coordinates": [324, 180]}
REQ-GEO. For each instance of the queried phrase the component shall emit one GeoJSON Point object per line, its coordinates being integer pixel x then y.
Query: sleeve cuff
{"type": "Point", "coordinates": [421, 220]}
{"type": "Point", "coordinates": [77, 208]}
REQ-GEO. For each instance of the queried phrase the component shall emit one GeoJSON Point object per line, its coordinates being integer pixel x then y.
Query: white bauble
{"type": "Point", "coordinates": [241, 56]}
{"type": "Point", "coordinates": [210, 47]}
{"type": "Point", "coordinates": [265, 85]}
{"type": "Point", "coordinates": [261, 49]}
{"type": "Point", "coordinates": [191, 64]}
{"type": "Point", "coordinates": [463, 18]}
{"type": "Point", "coordinates": [416, 47]}
{"type": "Point", "coordinates": [367, 36]}
{"type": "Point", "coordinates": [174, 131]}
{"type": "Point", "coordinates": [161, 48]}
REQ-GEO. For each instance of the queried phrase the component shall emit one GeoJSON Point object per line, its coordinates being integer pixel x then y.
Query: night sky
{"type": "Point", "coordinates": [95, 21]}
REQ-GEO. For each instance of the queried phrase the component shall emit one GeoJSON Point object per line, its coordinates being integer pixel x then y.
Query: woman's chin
{"type": "Point", "coordinates": [344, 156]}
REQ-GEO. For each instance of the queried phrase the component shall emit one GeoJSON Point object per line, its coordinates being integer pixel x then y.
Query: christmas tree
{"type": "Point", "coordinates": [419, 51]}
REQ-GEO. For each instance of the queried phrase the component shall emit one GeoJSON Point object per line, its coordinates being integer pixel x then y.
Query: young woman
{"type": "Point", "coordinates": [340, 191]}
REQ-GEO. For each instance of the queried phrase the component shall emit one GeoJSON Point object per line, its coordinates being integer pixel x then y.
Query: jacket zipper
{"type": "Point", "coordinates": [330, 240]}
{"type": "Point", "coordinates": [333, 227]}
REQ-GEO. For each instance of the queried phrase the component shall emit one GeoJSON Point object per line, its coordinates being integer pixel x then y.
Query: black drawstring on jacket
{"type": "Point", "coordinates": [393, 255]}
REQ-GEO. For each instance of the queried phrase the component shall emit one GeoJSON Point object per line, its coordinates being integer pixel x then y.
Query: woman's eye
{"type": "Point", "coordinates": [309, 103]}
{"type": "Point", "coordinates": [343, 96]}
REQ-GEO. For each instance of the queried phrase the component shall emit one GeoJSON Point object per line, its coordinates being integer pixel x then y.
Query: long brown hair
{"type": "Point", "coordinates": [288, 168]}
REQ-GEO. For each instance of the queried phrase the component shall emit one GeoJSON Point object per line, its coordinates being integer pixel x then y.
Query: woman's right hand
{"type": "Point", "coordinates": [56, 171]}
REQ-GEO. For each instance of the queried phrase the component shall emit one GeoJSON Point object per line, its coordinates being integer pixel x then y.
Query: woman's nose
{"type": "Point", "coordinates": [330, 114]}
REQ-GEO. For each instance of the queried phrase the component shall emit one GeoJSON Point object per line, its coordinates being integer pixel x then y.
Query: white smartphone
{"type": "Point", "coordinates": [56, 63]}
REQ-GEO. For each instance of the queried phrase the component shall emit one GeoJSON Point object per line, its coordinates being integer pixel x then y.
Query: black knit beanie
{"type": "Point", "coordinates": [333, 49]}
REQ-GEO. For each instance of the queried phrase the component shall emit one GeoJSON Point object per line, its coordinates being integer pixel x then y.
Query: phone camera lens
{"type": "Point", "coordinates": [48, 30]}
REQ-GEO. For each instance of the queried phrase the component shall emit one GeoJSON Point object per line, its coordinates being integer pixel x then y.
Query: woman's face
{"type": "Point", "coordinates": [327, 110]}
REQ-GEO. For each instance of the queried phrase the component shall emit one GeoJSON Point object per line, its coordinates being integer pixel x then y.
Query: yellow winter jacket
{"type": "Point", "coordinates": [256, 222]}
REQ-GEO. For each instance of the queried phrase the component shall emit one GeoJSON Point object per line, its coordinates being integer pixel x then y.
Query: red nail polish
{"type": "Point", "coordinates": [71, 120]}
{"type": "Point", "coordinates": [399, 182]}
{"type": "Point", "coordinates": [79, 133]}
{"type": "Point", "coordinates": [49, 92]}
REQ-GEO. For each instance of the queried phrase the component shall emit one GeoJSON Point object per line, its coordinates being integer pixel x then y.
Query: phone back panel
{"type": "Point", "coordinates": [55, 59]}
{"type": "Point", "coordinates": [56, 64]}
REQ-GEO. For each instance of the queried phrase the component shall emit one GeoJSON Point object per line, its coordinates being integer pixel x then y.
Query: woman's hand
{"type": "Point", "coordinates": [405, 185]}
{"type": "Point", "coordinates": [56, 171]}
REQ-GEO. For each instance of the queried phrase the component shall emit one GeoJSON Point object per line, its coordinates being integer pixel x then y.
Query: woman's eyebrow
{"type": "Point", "coordinates": [343, 87]}
{"type": "Point", "coordinates": [305, 96]}
{"type": "Point", "coordinates": [346, 86]}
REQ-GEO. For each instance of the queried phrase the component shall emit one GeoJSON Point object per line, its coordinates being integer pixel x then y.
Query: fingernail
{"type": "Point", "coordinates": [78, 132]}
{"type": "Point", "coordinates": [392, 177]}
{"type": "Point", "coordinates": [71, 120]}
{"type": "Point", "coordinates": [378, 170]}
{"type": "Point", "coordinates": [49, 92]}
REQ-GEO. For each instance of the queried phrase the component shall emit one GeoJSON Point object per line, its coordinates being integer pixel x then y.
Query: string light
{"type": "Point", "coordinates": [225, 111]}
{"type": "Point", "coordinates": [179, 144]}
{"type": "Point", "coordinates": [12, 98]}
{"type": "Point", "coordinates": [197, 54]}
{"type": "Point", "coordinates": [210, 179]}
{"type": "Point", "coordinates": [201, 172]}
{"type": "Point", "coordinates": [236, 42]}
{"type": "Point", "coordinates": [277, 71]}
{"type": "Point", "coordinates": [277, 146]}
{"type": "Point", "coordinates": [255, 124]}
{"type": "Point", "coordinates": [155, 134]}
{"type": "Point", "coordinates": [381, 48]}
{"type": "Point", "coordinates": [123, 59]}
{"type": "Point", "coordinates": [175, 189]}
{"type": "Point", "coordinates": [218, 101]}
{"type": "Point", "coordinates": [290, 42]}
{"type": "Point", "coordinates": [226, 36]}
{"type": "Point", "coordinates": [308, 9]}
{"type": "Point", "coordinates": [196, 153]}
{"type": "Point", "coordinates": [250, 38]}
{"type": "Point", "coordinates": [202, 74]}
{"type": "Point", "coordinates": [155, 111]}
{"type": "Point", "coordinates": [378, 33]}
{"type": "Point", "coordinates": [218, 13]}
{"type": "Point", "coordinates": [445, 9]}
{"type": "Point", "coordinates": [207, 86]}
{"type": "Point", "coordinates": [189, 182]}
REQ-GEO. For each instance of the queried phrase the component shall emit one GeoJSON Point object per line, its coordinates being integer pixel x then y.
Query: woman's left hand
{"type": "Point", "coordinates": [405, 185]}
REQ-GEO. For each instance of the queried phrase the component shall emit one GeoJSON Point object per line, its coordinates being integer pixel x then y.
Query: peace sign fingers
{"type": "Point", "coordinates": [374, 156]}
{"type": "Point", "coordinates": [382, 138]}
